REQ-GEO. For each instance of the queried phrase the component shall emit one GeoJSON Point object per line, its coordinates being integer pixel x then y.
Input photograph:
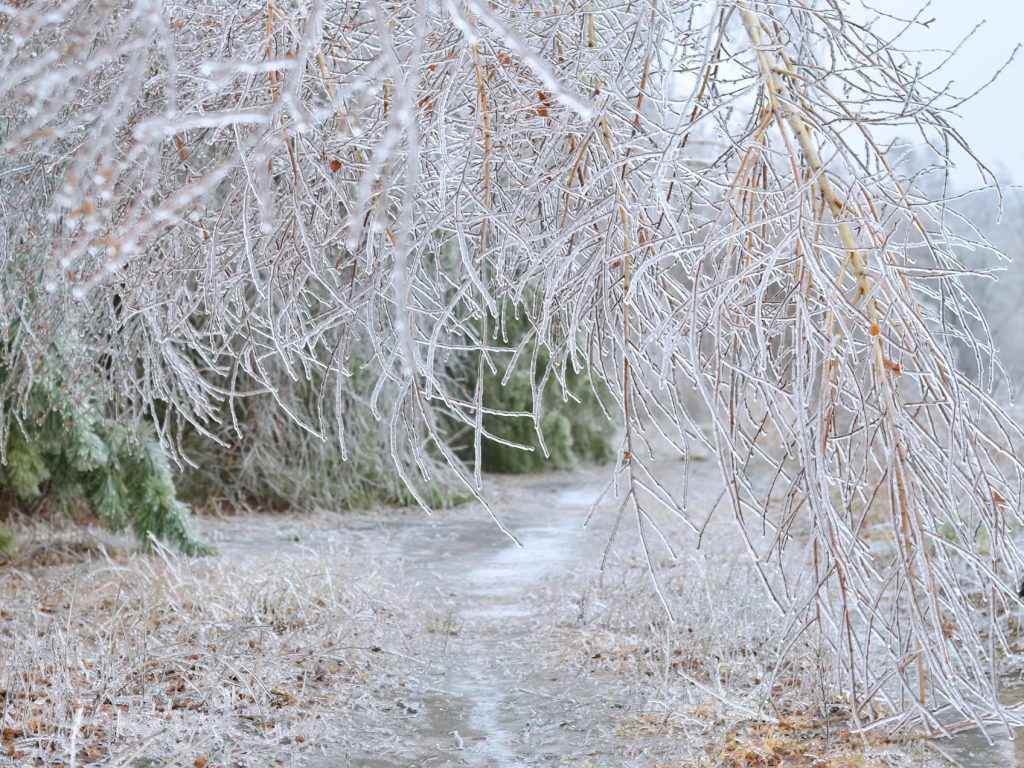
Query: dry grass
{"type": "Point", "coordinates": [796, 742]}
{"type": "Point", "coordinates": [112, 658]}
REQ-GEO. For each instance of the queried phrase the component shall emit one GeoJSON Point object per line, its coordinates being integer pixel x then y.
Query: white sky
{"type": "Point", "coordinates": [993, 122]}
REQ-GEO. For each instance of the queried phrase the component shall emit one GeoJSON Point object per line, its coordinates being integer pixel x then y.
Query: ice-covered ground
{"type": "Point", "coordinates": [392, 638]}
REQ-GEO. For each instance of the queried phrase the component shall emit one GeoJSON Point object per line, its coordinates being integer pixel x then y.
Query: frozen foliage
{"type": "Point", "coordinates": [63, 449]}
{"type": "Point", "coordinates": [687, 199]}
{"type": "Point", "coordinates": [569, 412]}
{"type": "Point", "coordinates": [262, 458]}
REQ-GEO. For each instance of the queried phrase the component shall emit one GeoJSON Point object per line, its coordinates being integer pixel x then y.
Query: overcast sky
{"type": "Point", "coordinates": [993, 122]}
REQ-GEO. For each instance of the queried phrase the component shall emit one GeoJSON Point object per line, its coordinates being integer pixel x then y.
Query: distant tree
{"type": "Point", "coordinates": [999, 284]}
{"type": "Point", "coordinates": [691, 196]}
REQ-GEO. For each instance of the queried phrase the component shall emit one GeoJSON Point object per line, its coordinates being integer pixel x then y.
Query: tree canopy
{"type": "Point", "coordinates": [702, 204]}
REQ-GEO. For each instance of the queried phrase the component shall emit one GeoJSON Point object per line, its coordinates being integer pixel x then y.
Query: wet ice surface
{"type": "Point", "coordinates": [491, 705]}
{"type": "Point", "coordinates": [490, 690]}
{"type": "Point", "coordinates": [972, 749]}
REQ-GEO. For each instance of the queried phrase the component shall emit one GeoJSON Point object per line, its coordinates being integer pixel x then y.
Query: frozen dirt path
{"type": "Point", "coordinates": [487, 697]}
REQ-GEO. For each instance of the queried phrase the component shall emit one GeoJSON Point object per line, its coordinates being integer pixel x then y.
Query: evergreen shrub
{"type": "Point", "coordinates": [60, 446]}
{"type": "Point", "coordinates": [574, 424]}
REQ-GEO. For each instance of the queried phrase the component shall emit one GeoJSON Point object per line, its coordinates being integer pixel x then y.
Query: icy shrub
{"type": "Point", "coordinates": [571, 419]}
{"type": "Point", "coordinates": [61, 447]}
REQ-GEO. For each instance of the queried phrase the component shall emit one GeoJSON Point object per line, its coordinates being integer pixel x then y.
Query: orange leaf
{"type": "Point", "coordinates": [545, 102]}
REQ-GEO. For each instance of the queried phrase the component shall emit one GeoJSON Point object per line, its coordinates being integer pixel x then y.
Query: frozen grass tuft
{"type": "Point", "coordinates": [111, 658]}
{"type": "Point", "coordinates": [720, 686]}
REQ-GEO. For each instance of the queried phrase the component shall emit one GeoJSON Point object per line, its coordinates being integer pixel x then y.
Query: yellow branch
{"type": "Point", "coordinates": [855, 259]}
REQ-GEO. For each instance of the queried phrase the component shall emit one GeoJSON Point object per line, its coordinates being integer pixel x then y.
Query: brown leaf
{"type": "Point", "coordinates": [545, 102]}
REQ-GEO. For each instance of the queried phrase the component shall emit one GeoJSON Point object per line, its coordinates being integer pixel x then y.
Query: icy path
{"type": "Point", "coordinates": [489, 699]}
